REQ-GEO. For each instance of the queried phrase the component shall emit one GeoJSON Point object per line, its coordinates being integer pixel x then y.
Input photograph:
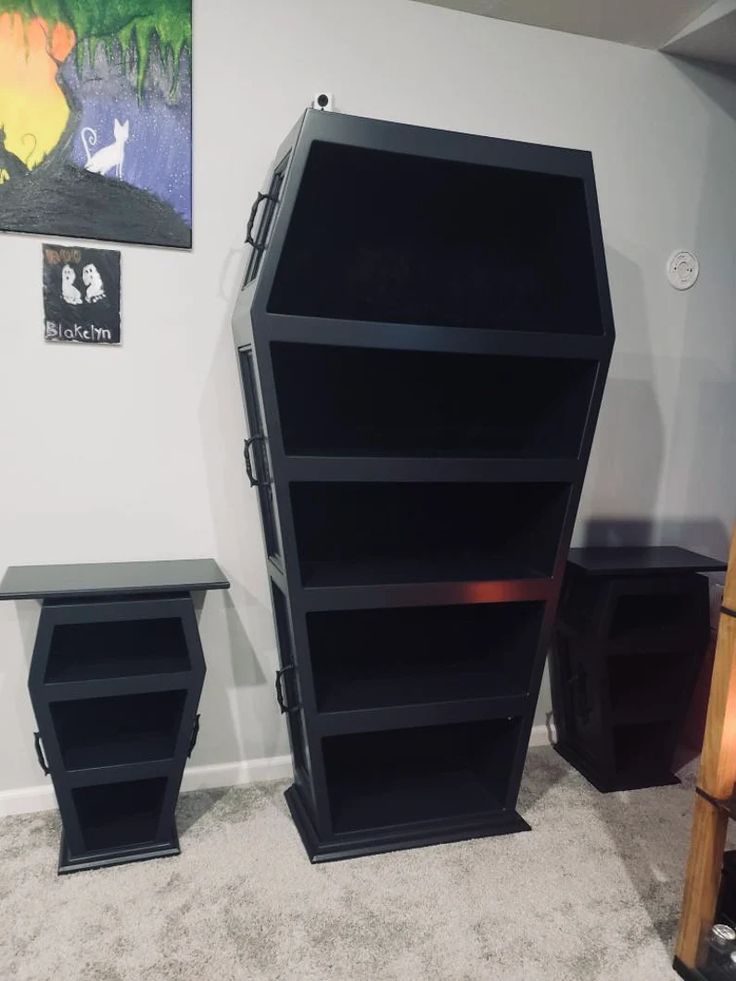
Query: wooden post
{"type": "Point", "coordinates": [717, 778]}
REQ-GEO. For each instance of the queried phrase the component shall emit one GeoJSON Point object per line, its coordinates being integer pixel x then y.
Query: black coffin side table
{"type": "Point", "coordinates": [631, 634]}
{"type": "Point", "coordinates": [115, 679]}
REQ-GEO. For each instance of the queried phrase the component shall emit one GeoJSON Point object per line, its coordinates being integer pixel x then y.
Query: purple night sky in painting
{"type": "Point", "coordinates": [96, 119]}
{"type": "Point", "coordinates": [158, 150]}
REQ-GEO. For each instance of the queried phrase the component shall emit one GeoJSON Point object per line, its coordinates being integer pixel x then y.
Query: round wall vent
{"type": "Point", "coordinates": [682, 270]}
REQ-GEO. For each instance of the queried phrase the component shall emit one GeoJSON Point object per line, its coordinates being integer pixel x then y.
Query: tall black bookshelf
{"type": "Point", "coordinates": [423, 336]}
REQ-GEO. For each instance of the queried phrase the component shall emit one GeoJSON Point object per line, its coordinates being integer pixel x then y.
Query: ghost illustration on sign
{"type": "Point", "coordinates": [69, 292]}
{"type": "Point", "coordinates": [93, 282]}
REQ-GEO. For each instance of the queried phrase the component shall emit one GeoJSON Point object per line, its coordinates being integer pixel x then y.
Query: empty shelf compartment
{"type": "Point", "coordinates": [355, 401]}
{"type": "Point", "coordinates": [116, 649]}
{"type": "Point", "coordinates": [411, 775]}
{"type": "Point", "coordinates": [383, 533]}
{"type": "Point", "coordinates": [643, 748]}
{"type": "Point", "coordinates": [118, 815]}
{"type": "Point", "coordinates": [395, 237]}
{"type": "Point", "coordinates": [98, 732]}
{"type": "Point", "coordinates": [653, 687]}
{"type": "Point", "coordinates": [662, 621]}
{"type": "Point", "coordinates": [389, 657]}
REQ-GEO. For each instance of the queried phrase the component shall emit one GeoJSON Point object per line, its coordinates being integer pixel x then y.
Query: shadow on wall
{"type": "Point", "coordinates": [19, 719]}
{"type": "Point", "coordinates": [625, 470]}
{"type": "Point", "coordinates": [706, 535]}
{"type": "Point", "coordinates": [221, 723]}
{"type": "Point", "coordinates": [625, 466]}
{"type": "Point", "coordinates": [716, 81]}
{"type": "Point", "coordinates": [247, 643]}
{"type": "Point", "coordinates": [28, 612]}
{"type": "Point", "coordinates": [630, 478]}
{"type": "Point", "coordinates": [703, 460]}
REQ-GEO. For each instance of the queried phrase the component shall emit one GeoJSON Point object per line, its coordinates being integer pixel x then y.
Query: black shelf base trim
{"type": "Point", "coordinates": [688, 973]}
{"type": "Point", "coordinates": [376, 842]}
{"type": "Point", "coordinates": [603, 783]}
{"type": "Point", "coordinates": [106, 859]}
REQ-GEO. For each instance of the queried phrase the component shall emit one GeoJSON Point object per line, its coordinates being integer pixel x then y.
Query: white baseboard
{"type": "Point", "coordinates": [543, 735]}
{"type": "Point", "coordinates": [29, 800]}
{"type": "Point", "coordinates": [236, 774]}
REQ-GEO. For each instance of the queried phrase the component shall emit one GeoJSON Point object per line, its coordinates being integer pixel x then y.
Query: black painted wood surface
{"type": "Point", "coordinates": [642, 560]}
{"type": "Point", "coordinates": [41, 581]}
{"type": "Point", "coordinates": [423, 336]}
{"type": "Point", "coordinates": [115, 679]}
{"type": "Point", "coordinates": [632, 631]}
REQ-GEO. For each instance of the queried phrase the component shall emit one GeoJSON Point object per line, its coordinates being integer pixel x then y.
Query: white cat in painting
{"type": "Point", "coordinates": [93, 282]}
{"type": "Point", "coordinates": [69, 291]}
{"type": "Point", "coordinates": [109, 157]}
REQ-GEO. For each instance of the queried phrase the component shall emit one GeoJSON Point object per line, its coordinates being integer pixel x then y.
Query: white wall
{"type": "Point", "coordinates": [134, 453]}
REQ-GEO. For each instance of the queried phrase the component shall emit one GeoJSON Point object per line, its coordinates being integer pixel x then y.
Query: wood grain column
{"type": "Point", "coordinates": [717, 778]}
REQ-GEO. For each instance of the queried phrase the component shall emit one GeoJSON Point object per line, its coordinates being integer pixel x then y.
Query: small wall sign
{"type": "Point", "coordinates": [81, 294]}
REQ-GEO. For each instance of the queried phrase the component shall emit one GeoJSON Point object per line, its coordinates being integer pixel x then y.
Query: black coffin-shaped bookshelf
{"type": "Point", "coordinates": [115, 679]}
{"type": "Point", "coordinates": [629, 642]}
{"type": "Point", "coordinates": [423, 336]}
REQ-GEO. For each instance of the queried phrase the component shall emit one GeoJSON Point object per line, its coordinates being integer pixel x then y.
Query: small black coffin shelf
{"type": "Point", "coordinates": [115, 680]}
{"type": "Point", "coordinates": [632, 631]}
{"type": "Point", "coordinates": [423, 336]}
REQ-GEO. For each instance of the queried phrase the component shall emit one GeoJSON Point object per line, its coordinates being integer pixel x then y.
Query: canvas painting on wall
{"type": "Point", "coordinates": [81, 294]}
{"type": "Point", "coordinates": [96, 119]}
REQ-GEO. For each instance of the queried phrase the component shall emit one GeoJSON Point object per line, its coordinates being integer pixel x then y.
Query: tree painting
{"type": "Point", "coordinates": [96, 119]}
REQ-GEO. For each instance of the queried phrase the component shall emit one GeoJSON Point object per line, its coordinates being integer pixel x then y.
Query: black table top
{"type": "Point", "coordinates": [45, 581]}
{"type": "Point", "coordinates": [641, 561]}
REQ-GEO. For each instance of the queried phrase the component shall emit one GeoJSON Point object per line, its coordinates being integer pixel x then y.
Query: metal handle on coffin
{"type": "Point", "coordinates": [39, 753]}
{"type": "Point", "coordinates": [280, 691]}
{"type": "Point", "coordinates": [249, 240]}
{"type": "Point", "coordinates": [195, 733]}
{"type": "Point", "coordinates": [249, 468]}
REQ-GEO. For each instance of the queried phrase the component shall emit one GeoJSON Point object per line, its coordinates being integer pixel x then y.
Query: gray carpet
{"type": "Point", "coordinates": [592, 894]}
